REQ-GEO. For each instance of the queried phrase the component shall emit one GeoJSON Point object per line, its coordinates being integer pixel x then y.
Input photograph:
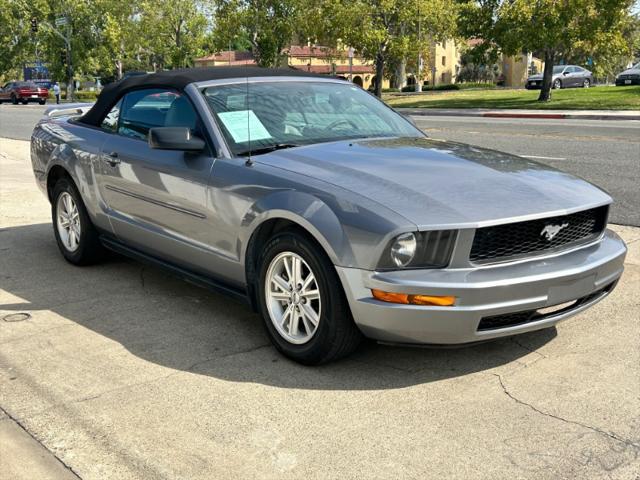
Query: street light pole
{"type": "Point", "coordinates": [419, 66]}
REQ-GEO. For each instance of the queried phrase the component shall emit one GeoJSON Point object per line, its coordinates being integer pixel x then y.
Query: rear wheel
{"type": "Point", "coordinates": [304, 308]}
{"type": "Point", "coordinates": [557, 84]}
{"type": "Point", "coordinates": [76, 236]}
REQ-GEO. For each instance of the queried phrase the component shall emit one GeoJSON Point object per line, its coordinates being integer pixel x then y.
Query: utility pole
{"type": "Point", "coordinates": [66, 37]}
{"type": "Point", "coordinates": [419, 66]}
{"type": "Point", "coordinates": [350, 53]}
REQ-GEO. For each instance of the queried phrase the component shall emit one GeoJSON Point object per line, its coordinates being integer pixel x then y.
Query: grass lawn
{"type": "Point", "coordinates": [595, 98]}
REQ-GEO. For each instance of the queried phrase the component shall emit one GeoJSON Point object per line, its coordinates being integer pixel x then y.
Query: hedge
{"type": "Point", "coordinates": [80, 95]}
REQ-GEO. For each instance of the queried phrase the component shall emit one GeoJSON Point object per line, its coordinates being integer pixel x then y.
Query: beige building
{"type": "Point", "coordinates": [517, 68]}
{"type": "Point", "coordinates": [309, 58]}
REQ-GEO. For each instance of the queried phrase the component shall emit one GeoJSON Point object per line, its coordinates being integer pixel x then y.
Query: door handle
{"type": "Point", "coordinates": [111, 158]}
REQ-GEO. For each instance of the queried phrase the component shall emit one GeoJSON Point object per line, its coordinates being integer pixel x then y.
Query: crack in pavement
{"type": "Point", "coordinates": [613, 436]}
{"type": "Point", "coordinates": [23, 427]}
{"type": "Point", "coordinates": [528, 349]}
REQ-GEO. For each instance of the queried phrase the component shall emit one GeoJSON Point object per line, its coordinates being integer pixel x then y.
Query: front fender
{"type": "Point", "coordinates": [306, 210]}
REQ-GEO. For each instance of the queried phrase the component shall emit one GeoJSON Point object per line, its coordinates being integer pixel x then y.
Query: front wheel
{"type": "Point", "coordinates": [304, 308]}
{"type": "Point", "coordinates": [76, 236]}
{"type": "Point", "coordinates": [557, 85]}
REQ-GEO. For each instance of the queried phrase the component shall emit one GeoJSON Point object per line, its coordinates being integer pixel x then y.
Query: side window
{"type": "Point", "coordinates": [149, 108]}
{"type": "Point", "coordinates": [110, 122]}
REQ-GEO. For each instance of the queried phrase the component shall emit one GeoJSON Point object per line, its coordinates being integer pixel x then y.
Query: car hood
{"type": "Point", "coordinates": [630, 71]}
{"type": "Point", "coordinates": [434, 183]}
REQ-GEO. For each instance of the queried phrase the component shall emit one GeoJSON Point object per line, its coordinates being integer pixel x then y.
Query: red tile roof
{"type": "Point", "coordinates": [340, 69]}
{"type": "Point", "coordinates": [237, 57]}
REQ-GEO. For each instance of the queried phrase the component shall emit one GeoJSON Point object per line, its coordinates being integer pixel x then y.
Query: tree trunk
{"type": "Point", "coordinates": [545, 91]}
{"type": "Point", "coordinates": [379, 73]}
{"type": "Point", "coordinates": [119, 69]}
{"type": "Point", "coordinates": [401, 74]}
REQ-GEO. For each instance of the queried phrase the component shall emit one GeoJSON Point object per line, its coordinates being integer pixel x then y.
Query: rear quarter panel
{"type": "Point", "coordinates": [75, 148]}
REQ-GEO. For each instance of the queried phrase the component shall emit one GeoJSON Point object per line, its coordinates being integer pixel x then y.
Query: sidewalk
{"type": "Point", "coordinates": [509, 113]}
{"type": "Point", "coordinates": [24, 458]}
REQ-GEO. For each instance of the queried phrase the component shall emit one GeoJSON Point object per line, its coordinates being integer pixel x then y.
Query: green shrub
{"type": "Point", "coordinates": [82, 95]}
{"type": "Point", "coordinates": [457, 86]}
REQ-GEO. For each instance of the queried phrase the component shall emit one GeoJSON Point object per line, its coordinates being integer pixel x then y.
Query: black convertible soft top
{"type": "Point", "coordinates": [178, 80]}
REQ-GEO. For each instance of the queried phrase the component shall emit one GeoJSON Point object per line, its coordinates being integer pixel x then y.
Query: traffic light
{"type": "Point", "coordinates": [34, 24]}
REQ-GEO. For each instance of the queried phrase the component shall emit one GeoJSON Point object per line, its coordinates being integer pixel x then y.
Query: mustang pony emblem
{"type": "Point", "coordinates": [550, 231]}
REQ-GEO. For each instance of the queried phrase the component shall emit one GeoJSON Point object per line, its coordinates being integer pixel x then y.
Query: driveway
{"type": "Point", "coordinates": [123, 372]}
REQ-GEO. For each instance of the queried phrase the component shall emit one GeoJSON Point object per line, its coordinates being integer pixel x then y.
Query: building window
{"type": "Point", "coordinates": [442, 77]}
{"type": "Point", "coordinates": [444, 61]}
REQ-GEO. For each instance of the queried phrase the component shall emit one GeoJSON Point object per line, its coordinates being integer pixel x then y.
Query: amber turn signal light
{"type": "Point", "coordinates": [406, 299]}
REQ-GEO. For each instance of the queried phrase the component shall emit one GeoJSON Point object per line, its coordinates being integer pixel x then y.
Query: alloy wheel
{"type": "Point", "coordinates": [68, 221]}
{"type": "Point", "coordinates": [293, 298]}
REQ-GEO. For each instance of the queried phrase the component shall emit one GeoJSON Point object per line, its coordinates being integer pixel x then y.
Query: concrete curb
{"type": "Point", "coordinates": [506, 114]}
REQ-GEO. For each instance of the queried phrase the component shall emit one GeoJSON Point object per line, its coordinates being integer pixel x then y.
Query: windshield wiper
{"type": "Point", "coordinates": [269, 148]}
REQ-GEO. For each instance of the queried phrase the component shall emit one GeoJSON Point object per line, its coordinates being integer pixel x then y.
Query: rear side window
{"type": "Point", "coordinates": [144, 109]}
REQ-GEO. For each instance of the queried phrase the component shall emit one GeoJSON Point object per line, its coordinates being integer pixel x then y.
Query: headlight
{"type": "Point", "coordinates": [419, 250]}
{"type": "Point", "coordinates": [403, 249]}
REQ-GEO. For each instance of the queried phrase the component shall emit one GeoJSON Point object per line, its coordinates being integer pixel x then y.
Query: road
{"type": "Point", "coordinates": [119, 371]}
{"type": "Point", "coordinates": [604, 152]}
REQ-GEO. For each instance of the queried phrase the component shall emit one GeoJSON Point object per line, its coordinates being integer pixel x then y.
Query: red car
{"type": "Point", "coordinates": [24, 92]}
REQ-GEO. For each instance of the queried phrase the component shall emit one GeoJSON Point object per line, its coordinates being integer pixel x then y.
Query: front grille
{"type": "Point", "coordinates": [520, 318]}
{"type": "Point", "coordinates": [513, 240]}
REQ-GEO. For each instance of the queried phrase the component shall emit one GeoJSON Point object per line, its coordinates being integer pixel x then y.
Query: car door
{"type": "Point", "coordinates": [576, 76]}
{"type": "Point", "coordinates": [4, 91]}
{"type": "Point", "coordinates": [156, 199]}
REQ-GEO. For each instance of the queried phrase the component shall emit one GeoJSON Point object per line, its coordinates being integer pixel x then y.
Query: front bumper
{"type": "Point", "coordinates": [622, 82]}
{"type": "Point", "coordinates": [588, 273]}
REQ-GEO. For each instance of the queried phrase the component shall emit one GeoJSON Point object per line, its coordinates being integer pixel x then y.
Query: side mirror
{"type": "Point", "coordinates": [565, 73]}
{"type": "Point", "coordinates": [175, 138]}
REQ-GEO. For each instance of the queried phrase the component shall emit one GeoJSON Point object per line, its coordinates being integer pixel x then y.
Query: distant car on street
{"type": "Point", "coordinates": [631, 76]}
{"type": "Point", "coordinates": [564, 76]}
{"type": "Point", "coordinates": [24, 92]}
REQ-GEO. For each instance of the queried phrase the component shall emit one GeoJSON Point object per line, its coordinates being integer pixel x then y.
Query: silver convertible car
{"type": "Point", "coordinates": [328, 212]}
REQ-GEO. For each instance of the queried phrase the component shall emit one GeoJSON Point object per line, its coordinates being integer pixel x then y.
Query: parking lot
{"type": "Point", "coordinates": [120, 371]}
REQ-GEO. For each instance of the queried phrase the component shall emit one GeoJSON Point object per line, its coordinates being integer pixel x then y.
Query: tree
{"type": "Point", "coordinates": [171, 33]}
{"type": "Point", "coordinates": [268, 25]}
{"type": "Point", "coordinates": [387, 31]}
{"type": "Point", "coordinates": [552, 27]}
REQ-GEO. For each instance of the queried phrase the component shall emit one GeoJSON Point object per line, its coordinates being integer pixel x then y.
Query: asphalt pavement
{"type": "Point", "coordinates": [119, 371]}
{"type": "Point", "coordinates": [605, 152]}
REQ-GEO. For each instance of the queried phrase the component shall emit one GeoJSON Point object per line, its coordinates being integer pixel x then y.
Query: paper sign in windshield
{"type": "Point", "coordinates": [241, 122]}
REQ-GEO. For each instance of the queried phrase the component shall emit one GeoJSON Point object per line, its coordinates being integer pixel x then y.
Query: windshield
{"type": "Point", "coordinates": [636, 66]}
{"type": "Point", "coordinates": [559, 69]}
{"type": "Point", "coordinates": [292, 113]}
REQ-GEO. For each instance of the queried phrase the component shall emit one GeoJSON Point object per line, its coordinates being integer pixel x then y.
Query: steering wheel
{"type": "Point", "coordinates": [342, 121]}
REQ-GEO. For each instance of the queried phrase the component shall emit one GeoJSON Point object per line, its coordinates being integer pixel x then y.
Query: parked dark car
{"type": "Point", "coordinates": [564, 76]}
{"type": "Point", "coordinates": [24, 92]}
{"type": "Point", "coordinates": [631, 76]}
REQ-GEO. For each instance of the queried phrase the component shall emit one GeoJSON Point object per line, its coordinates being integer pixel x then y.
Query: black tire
{"type": "Point", "coordinates": [557, 84]}
{"type": "Point", "coordinates": [89, 250]}
{"type": "Point", "coordinates": [14, 99]}
{"type": "Point", "coordinates": [24, 102]}
{"type": "Point", "coordinates": [42, 102]}
{"type": "Point", "coordinates": [337, 335]}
